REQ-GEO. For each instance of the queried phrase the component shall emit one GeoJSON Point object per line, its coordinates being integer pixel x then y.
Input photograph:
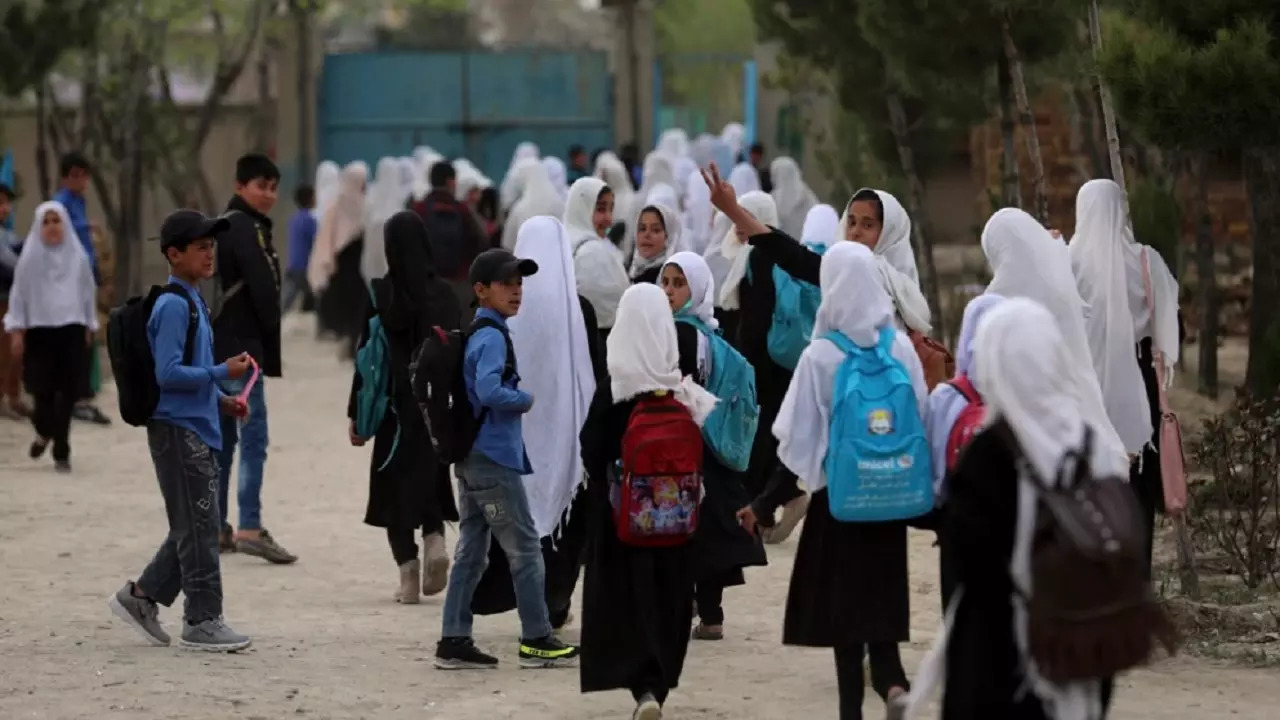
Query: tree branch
{"type": "Point", "coordinates": [229, 69]}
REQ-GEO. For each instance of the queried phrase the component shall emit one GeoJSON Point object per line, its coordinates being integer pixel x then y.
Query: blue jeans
{"type": "Point", "coordinates": [491, 498]}
{"type": "Point", "coordinates": [251, 434]}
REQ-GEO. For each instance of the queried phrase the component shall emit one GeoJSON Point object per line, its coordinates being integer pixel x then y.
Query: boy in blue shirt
{"type": "Point", "coordinates": [491, 496]}
{"type": "Point", "coordinates": [183, 434]}
{"type": "Point", "coordinates": [302, 236]}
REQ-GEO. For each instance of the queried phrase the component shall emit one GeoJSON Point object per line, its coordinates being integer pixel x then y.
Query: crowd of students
{"type": "Point", "coordinates": [650, 379]}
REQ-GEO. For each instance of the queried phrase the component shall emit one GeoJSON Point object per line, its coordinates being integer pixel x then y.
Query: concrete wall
{"type": "Point", "coordinates": [620, 64]}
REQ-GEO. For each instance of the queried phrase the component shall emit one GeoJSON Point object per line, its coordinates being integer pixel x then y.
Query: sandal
{"type": "Point", "coordinates": [708, 632]}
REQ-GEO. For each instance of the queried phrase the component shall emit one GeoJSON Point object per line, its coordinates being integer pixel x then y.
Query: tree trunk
{"type": "Point", "coordinates": [1104, 98]}
{"type": "Point", "coordinates": [302, 30]}
{"type": "Point", "coordinates": [1027, 119]}
{"type": "Point", "coordinates": [42, 144]}
{"type": "Point", "coordinates": [1011, 179]}
{"type": "Point", "coordinates": [915, 205]}
{"type": "Point", "coordinates": [1207, 276]}
{"type": "Point", "coordinates": [266, 131]}
{"type": "Point", "coordinates": [1262, 178]}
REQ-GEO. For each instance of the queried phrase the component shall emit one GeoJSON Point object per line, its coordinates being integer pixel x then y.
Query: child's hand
{"type": "Point", "coordinates": [723, 197]}
{"type": "Point", "coordinates": [238, 366]}
{"type": "Point", "coordinates": [747, 519]}
{"type": "Point", "coordinates": [356, 440]}
{"type": "Point", "coordinates": [233, 406]}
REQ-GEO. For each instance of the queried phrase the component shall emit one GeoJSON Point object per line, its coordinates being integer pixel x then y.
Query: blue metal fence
{"type": "Point", "coordinates": [477, 105]}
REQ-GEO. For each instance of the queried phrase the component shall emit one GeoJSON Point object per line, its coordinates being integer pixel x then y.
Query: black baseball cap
{"type": "Point", "coordinates": [498, 265]}
{"type": "Point", "coordinates": [184, 227]}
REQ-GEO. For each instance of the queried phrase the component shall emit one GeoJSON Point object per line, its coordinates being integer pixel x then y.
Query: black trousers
{"type": "Point", "coordinates": [710, 597]}
{"type": "Point", "coordinates": [187, 560]}
{"type": "Point", "coordinates": [886, 674]}
{"type": "Point", "coordinates": [403, 546]}
{"type": "Point", "coordinates": [55, 367]}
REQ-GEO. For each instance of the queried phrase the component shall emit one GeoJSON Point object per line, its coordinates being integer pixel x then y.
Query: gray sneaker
{"type": "Point", "coordinates": [141, 613]}
{"type": "Point", "coordinates": [213, 636]}
{"type": "Point", "coordinates": [266, 547]}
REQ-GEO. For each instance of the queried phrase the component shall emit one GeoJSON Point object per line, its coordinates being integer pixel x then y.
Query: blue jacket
{"type": "Point", "coordinates": [78, 211]}
{"type": "Point", "coordinates": [501, 437]}
{"type": "Point", "coordinates": [189, 394]}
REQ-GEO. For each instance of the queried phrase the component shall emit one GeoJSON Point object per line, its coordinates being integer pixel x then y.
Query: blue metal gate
{"type": "Point", "coordinates": [477, 105]}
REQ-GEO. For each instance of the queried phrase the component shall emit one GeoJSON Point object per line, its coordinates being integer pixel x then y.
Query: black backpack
{"type": "Point", "coordinates": [129, 350]}
{"type": "Point", "coordinates": [441, 390]}
{"type": "Point", "coordinates": [1092, 613]}
{"type": "Point", "coordinates": [447, 233]}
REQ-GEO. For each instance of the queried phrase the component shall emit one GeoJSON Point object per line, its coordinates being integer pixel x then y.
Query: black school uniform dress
{"type": "Point", "coordinates": [721, 547]}
{"type": "Point", "coordinates": [564, 553]}
{"type": "Point", "coordinates": [637, 603]}
{"type": "Point", "coordinates": [651, 276]}
{"type": "Point", "coordinates": [344, 303]}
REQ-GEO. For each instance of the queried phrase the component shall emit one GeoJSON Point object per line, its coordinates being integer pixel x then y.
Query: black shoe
{"type": "Point", "coordinates": [226, 540]}
{"type": "Point", "coordinates": [62, 466]}
{"type": "Point", "coordinates": [462, 654]}
{"type": "Point", "coordinates": [38, 447]}
{"type": "Point", "coordinates": [547, 652]}
{"type": "Point", "coordinates": [90, 413]}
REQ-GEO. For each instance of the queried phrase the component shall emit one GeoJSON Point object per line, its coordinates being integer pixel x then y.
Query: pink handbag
{"type": "Point", "coordinates": [1173, 467]}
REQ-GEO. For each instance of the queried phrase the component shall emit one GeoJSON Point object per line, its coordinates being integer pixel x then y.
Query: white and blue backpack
{"type": "Point", "coordinates": [878, 463]}
{"type": "Point", "coordinates": [730, 429]}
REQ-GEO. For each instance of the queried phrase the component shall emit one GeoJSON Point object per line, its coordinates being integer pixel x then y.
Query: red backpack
{"type": "Point", "coordinates": [657, 483]}
{"type": "Point", "coordinates": [968, 422]}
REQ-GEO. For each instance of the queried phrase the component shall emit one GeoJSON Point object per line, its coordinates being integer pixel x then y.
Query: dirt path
{"type": "Point", "coordinates": [330, 643]}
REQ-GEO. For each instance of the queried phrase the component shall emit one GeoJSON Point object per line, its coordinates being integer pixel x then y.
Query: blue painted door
{"type": "Point", "coordinates": [473, 105]}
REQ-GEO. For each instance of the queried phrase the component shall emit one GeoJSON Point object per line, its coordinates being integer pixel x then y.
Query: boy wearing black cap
{"type": "Point", "coordinates": [183, 434]}
{"type": "Point", "coordinates": [491, 496]}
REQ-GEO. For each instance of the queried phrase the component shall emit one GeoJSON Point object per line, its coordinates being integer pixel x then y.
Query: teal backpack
{"type": "Point", "coordinates": [730, 429]}
{"type": "Point", "coordinates": [795, 306]}
{"type": "Point", "coordinates": [373, 400]}
{"type": "Point", "coordinates": [878, 464]}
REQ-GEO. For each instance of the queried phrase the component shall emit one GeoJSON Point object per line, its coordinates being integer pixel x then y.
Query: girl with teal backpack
{"type": "Point", "coordinates": [722, 548]}
{"type": "Point", "coordinates": [851, 428]}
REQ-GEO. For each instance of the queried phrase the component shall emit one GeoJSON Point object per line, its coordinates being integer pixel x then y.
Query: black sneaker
{"type": "Point", "coordinates": [90, 414]}
{"type": "Point", "coordinates": [226, 540]}
{"type": "Point", "coordinates": [547, 652]}
{"type": "Point", "coordinates": [462, 654]}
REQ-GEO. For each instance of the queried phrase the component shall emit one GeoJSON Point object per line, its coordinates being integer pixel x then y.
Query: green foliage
{"type": "Point", "coordinates": [34, 36]}
{"type": "Point", "coordinates": [701, 47]}
{"type": "Point", "coordinates": [1157, 219]}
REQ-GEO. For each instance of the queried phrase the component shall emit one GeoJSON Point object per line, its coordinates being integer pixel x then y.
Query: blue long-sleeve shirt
{"type": "Point", "coordinates": [501, 437]}
{"type": "Point", "coordinates": [78, 211]}
{"type": "Point", "coordinates": [302, 235]}
{"type": "Point", "coordinates": [189, 394]}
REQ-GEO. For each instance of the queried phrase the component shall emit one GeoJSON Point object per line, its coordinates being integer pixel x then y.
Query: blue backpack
{"type": "Point", "coordinates": [373, 400]}
{"type": "Point", "coordinates": [730, 429]}
{"type": "Point", "coordinates": [878, 461]}
{"type": "Point", "coordinates": [795, 306]}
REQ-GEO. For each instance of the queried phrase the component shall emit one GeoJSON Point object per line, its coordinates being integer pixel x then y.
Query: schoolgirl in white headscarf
{"type": "Point", "coordinates": [386, 197]}
{"type": "Point", "coordinates": [597, 263]}
{"type": "Point", "coordinates": [697, 213]}
{"type": "Point", "coordinates": [613, 172]}
{"type": "Point", "coordinates": [892, 247]}
{"type": "Point", "coordinates": [535, 194]}
{"type": "Point", "coordinates": [51, 317]}
{"type": "Point", "coordinates": [733, 135]}
{"type": "Point", "coordinates": [1108, 266]}
{"type": "Point", "coordinates": [744, 178]}
{"type": "Point", "coordinates": [327, 182]}
{"type": "Point", "coordinates": [659, 169]}
{"type": "Point", "coordinates": [1026, 261]}
{"type": "Point", "coordinates": [1024, 365]}
{"type": "Point", "coordinates": [510, 190]}
{"type": "Point", "coordinates": [791, 194]}
{"type": "Point", "coordinates": [854, 572]}
{"type": "Point", "coordinates": [821, 224]}
{"type": "Point", "coordinates": [674, 142]}
{"type": "Point", "coordinates": [551, 344]}
{"type": "Point", "coordinates": [657, 238]}
{"type": "Point", "coordinates": [558, 173]}
{"type": "Point", "coordinates": [424, 158]}
{"type": "Point", "coordinates": [342, 223]}
{"type": "Point", "coordinates": [733, 247]}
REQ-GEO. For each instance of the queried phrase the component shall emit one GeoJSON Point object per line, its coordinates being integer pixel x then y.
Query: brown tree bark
{"type": "Point", "coordinates": [1104, 98]}
{"type": "Point", "coordinates": [1206, 272]}
{"type": "Point", "coordinates": [1011, 177]}
{"type": "Point", "coordinates": [915, 205]}
{"type": "Point", "coordinates": [1262, 179]}
{"type": "Point", "coordinates": [1027, 119]}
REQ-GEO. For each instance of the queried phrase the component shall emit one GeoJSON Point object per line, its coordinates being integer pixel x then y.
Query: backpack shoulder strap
{"type": "Point", "coordinates": [965, 387]}
{"type": "Point", "coordinates": [887, 335]}
{"type": "Point", "coordinates": [509, 369]}
{"type": "Point", "coordinates": [193, 319]}
{"type": "Point", "coordinates": [841, 341]}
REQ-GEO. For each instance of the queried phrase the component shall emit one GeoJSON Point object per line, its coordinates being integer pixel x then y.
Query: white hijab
{"type": "Point", "coordinates": [702, 289]}
{"type": "Point", "coordinates": [597, 263]}
{"type": "Point", "coordinates": [744, 178]}
{"type": "Point", "coordinates": [613, 172]}
{"type": "Point", "coordinates": [558, 174]}
{"type": "Point", "coordinates": [674, 142]}
{"type": "Point", "coordinates": [733, 134]}
{"type": "Point", "coordinates": [536, 196]}
{"type": "Point", "coordinates": [643, 355]}
{"type": "Point", "coordinates": [668, 197]}
{"type": "Point", "coordinates": [1028, 262]}
{"type": "Point", "coordinates": [52, 284]}
{"type": "Point", "coordinates": [761, 207]}
{"type": "Point", "coordinates": [897, 262]}
{"type": "Point", "coordinates": [854, 304]}
{"type": "Point", "coordinates": [659, 169]}
{"type": "Point", "coordinates": [821, 224]}
{"type": "Point", "coordinates": [550, 340]}
{"type": "Point", "coordinates": [341, 224]}
{"type": "Point", "coordinates": [424, 158]}
{"type": "Point", "coordinates": [386, 197]}
{"type": "Point", "coordinates": [327, 183]}
{"type": "Point", "coordinates": [509, 192]}
{"type": "Point", "coordinates": [697, 214]}
{"type": "Point", "coordinates": [1108, 268]}
{"type": "Point", "coordinates": [671, 223]}
{"type": "Point", "coordinates": [792, 195]}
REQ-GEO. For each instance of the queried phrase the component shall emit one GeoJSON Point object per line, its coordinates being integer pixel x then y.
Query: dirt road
{"type": "Point", "coordinates": [330, 642]}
